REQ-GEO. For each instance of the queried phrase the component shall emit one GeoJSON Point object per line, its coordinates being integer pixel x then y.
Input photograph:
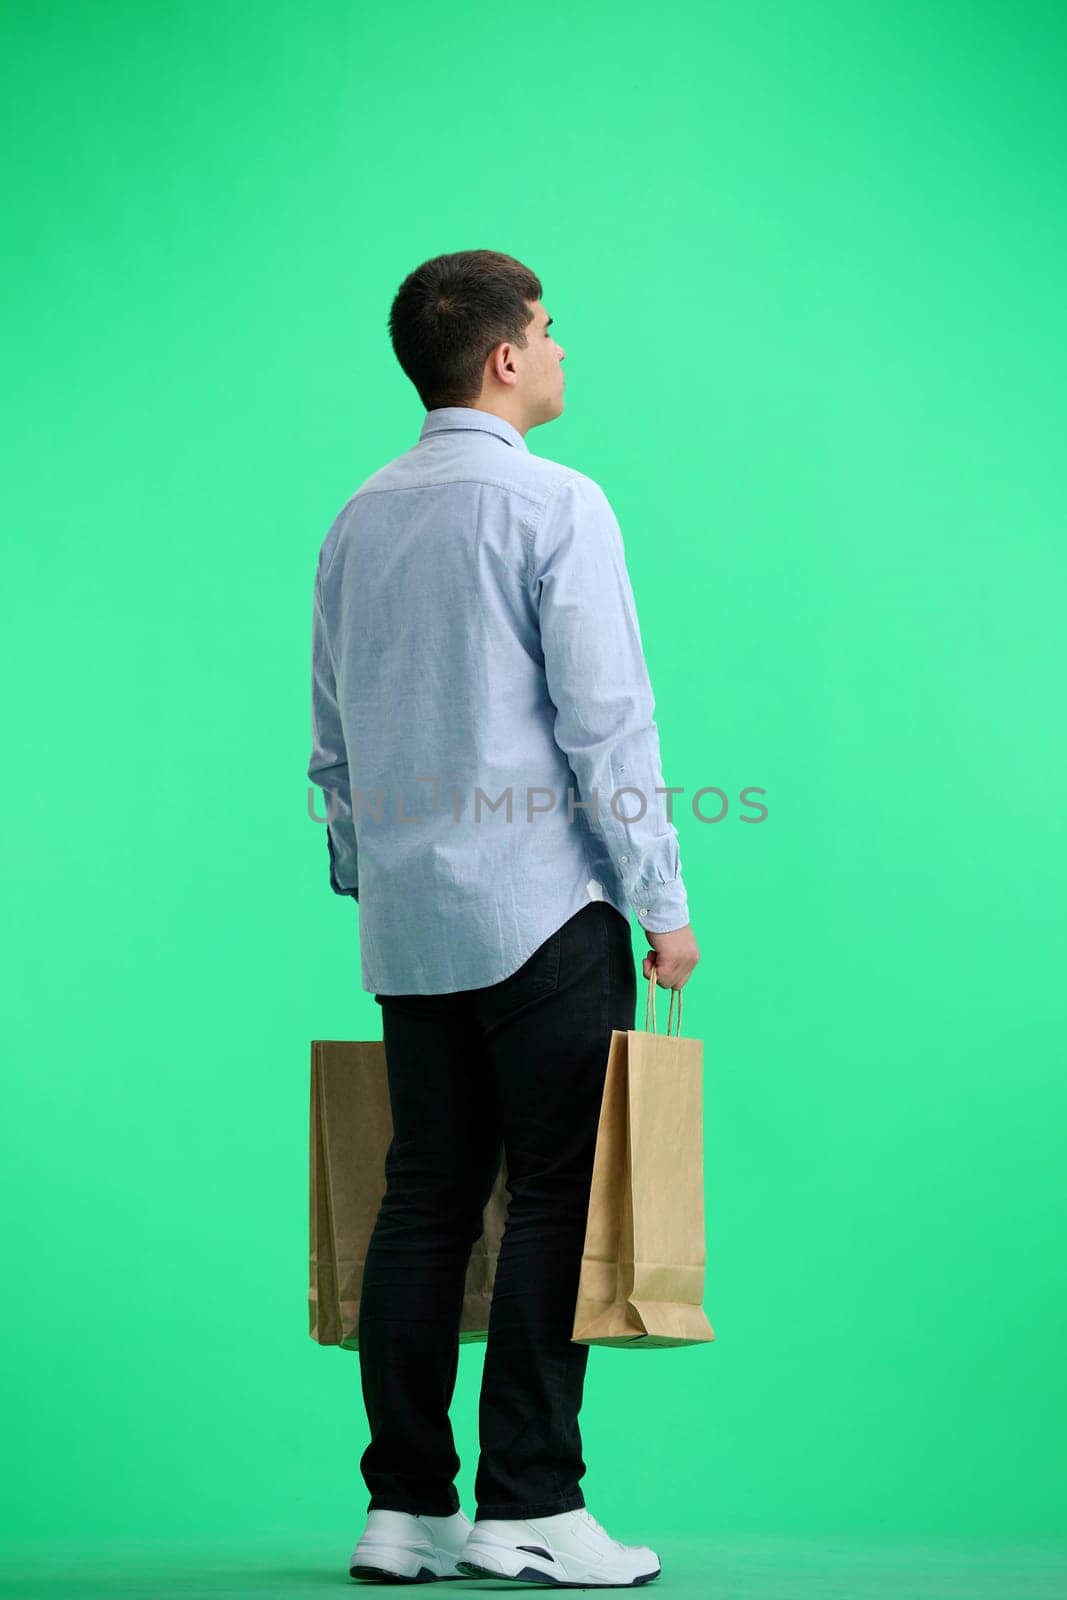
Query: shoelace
{"type": "Point", "coordinates": [587, 1516]}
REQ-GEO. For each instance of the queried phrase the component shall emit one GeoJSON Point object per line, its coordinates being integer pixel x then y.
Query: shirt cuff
{"type": "Point", "coordinates": [662, 908]}
{"type": "Point", "coordinates": [335, 884]}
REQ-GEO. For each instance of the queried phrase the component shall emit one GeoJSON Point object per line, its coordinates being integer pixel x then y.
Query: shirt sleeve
{"type": "Point", "coordinates": [599, 684]}
{"type": "Point", "coordinates": [328, 767]}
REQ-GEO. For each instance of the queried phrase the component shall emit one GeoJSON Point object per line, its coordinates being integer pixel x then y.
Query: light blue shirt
{"type": "Point", "coordinates": [478, 685]}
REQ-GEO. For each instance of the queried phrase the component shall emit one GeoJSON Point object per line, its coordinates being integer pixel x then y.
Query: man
{"type": "Point", "coordinates": [482, 728]}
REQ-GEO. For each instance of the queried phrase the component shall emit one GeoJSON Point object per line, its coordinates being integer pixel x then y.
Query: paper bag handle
{"type": "Point", "coordinates": [650, 1006]}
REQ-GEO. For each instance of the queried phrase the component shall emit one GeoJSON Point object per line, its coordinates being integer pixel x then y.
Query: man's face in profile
{"type": "Point", "coordinates": [542, 362]}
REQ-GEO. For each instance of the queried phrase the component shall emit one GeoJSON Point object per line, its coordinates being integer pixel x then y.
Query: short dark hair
{"type": "Point", "coordinates": [450, 313]}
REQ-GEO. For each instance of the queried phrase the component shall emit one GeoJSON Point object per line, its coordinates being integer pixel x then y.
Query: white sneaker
{"type": "Point", "coordinates": [568, 1548]}
{"type": "Point", "coordinates": [401, 1544]}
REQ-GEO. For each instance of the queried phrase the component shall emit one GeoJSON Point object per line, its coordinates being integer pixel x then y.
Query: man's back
{"type": "Point", "coordinates": [477, 655]}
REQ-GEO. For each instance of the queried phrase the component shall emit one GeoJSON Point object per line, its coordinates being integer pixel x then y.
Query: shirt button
{"type": "Point", "coordinates": [624, 858]}
{"type": "Point", "coordinates": [643, 910]}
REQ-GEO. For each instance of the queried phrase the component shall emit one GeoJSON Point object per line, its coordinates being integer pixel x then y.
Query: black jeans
{"type": "Point", "coordinates": [518, 1067]}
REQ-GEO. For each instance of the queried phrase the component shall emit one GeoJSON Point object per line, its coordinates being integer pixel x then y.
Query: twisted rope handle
{"type": "Point", "coordinates": [650, 1006]}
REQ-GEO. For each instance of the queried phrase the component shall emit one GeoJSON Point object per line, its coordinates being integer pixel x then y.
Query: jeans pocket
{"type": "Point", "coordinates": [537, 977]}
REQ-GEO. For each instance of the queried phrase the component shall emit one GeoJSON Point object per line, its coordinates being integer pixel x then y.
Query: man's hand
{"type": "Point", "coordinates": [674, 955]}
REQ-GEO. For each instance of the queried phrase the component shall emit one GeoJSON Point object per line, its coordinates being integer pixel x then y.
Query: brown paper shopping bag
{"type": "Point", "coordinates": [351, 1130]}
{"type": "Point", "coordinates": [642, 1274]}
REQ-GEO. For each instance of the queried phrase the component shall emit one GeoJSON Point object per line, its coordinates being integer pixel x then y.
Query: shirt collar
{"type": "Point", "coordinates": [446, 419]}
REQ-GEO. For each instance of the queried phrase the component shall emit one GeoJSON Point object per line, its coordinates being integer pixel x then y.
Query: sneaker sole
{"type": "Point", "coordinates": [474, 1569]}
{"type": "Point", "coordinates": [424, 1575]}
{"type": "Point", "coordinates": [365, 1566]}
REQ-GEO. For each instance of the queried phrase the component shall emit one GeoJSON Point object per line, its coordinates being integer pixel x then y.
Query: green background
{"type": "Point", "coordinates": [807, 265]}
